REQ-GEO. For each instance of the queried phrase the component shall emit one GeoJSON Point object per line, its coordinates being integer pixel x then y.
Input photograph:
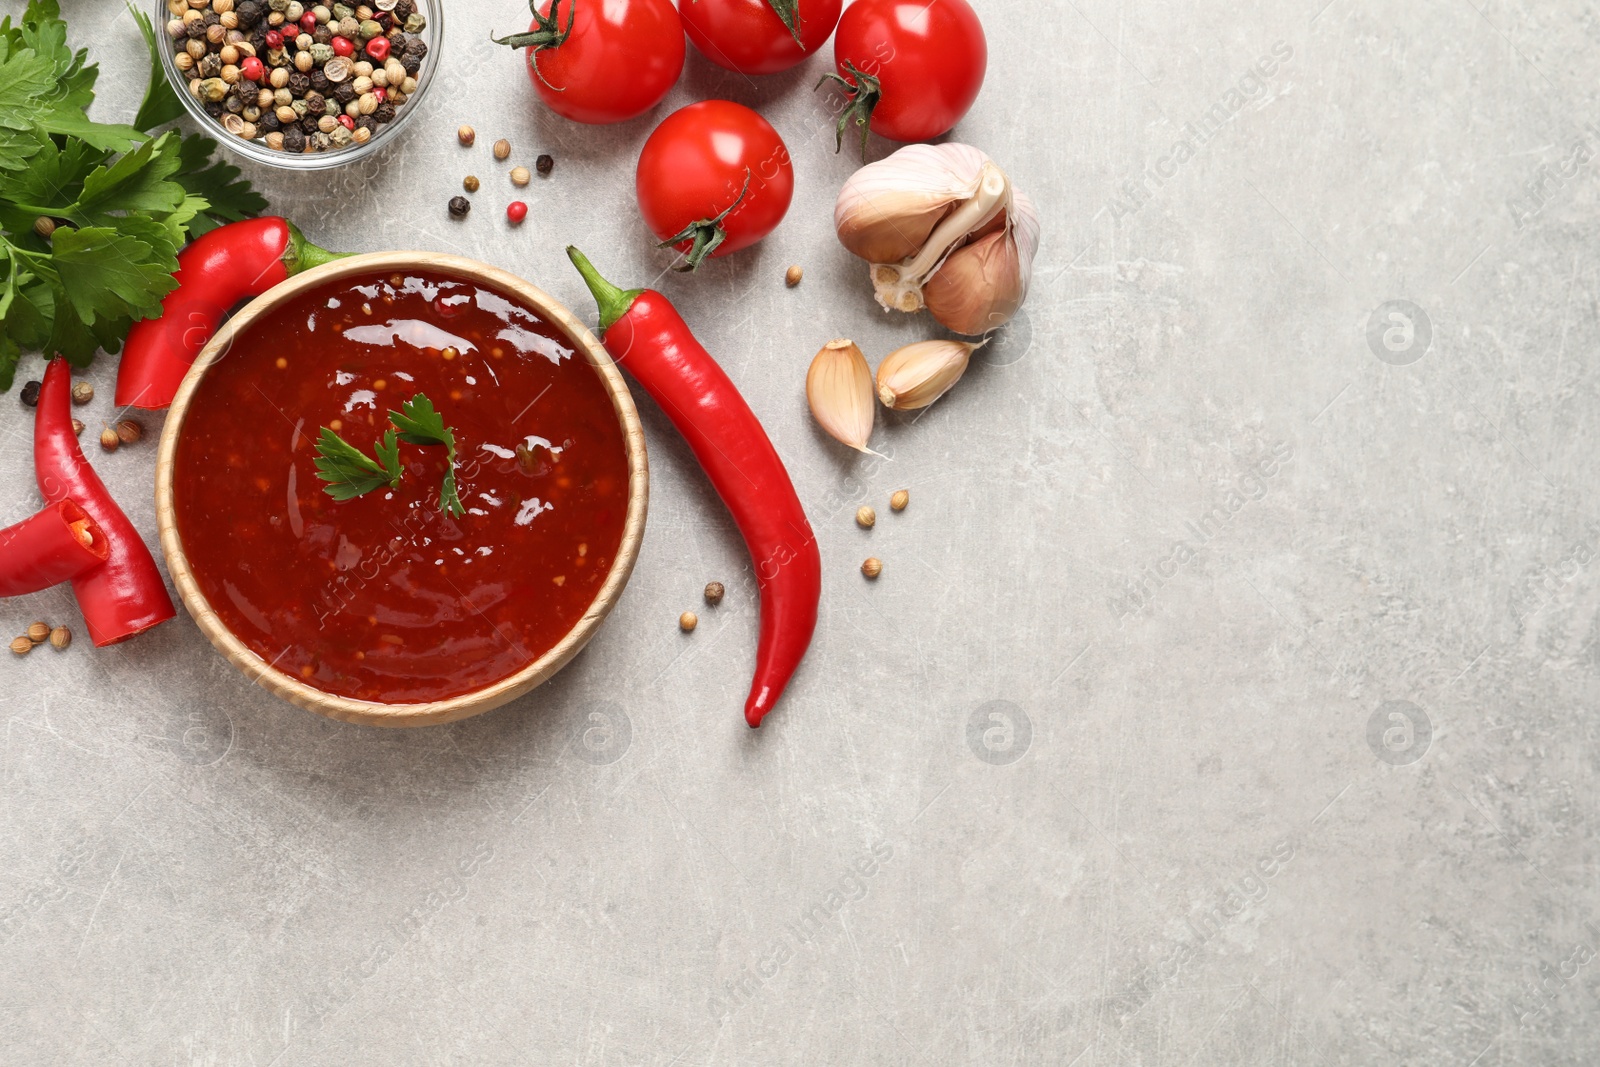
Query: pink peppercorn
{"type": "Point", "coordinates": [252, 69]}
{"type": "Point", "coordinates": [516, 211]}
{"type": "Point", "coordinates": [347, 122]}
{"type": "Point", "coordinates": [274, 39]}
{"type": "Point", "coordinates": [308, 22]}
{"type": "Point", "coordinates": [378, 49]}
{"type": "Point", "coordinates": [343, 46]}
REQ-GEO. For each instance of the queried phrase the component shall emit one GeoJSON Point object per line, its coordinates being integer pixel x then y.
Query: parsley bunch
{"type": "Point", "coordinates": [123, 201]}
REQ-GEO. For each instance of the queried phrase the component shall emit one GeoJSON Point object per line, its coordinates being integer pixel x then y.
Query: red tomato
{"type": "Point", "coordinates": [695, 167]}
{"type": "Point", "coordinates": [600, 61]}
{"type": "Point", "coordinates": [914, 66]}
{"type": "Point", "coordinates": [748, 35]}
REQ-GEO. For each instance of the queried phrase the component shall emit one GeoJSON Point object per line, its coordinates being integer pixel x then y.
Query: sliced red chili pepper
{"type": "Point", "coordinates": [53, 546]}
{"type": "Point", "coordinates": [125, 595]}
{"type": "Point", "coordinates": [649, 339]}
{"type": "Point", "coordinates": [221, 268]}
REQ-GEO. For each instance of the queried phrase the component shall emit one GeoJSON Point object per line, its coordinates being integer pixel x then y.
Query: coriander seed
{"type": "Point", "coordinates": [77, 428]}
{"type": "Point", "coordinates": [520, 176]}
{"type": "Point", "coordinates": [502, 148]}
{"type": "Point", "coordinates": [793, 276]}
{"type": "Point", "coordinates": [470, 183]}
{"type": "Point", "coordinates": [82, 392]}
{"type": "Point", "coordinates": [129, 431]}
{"type": "Point", "coordinates": [459, 206]}
{"type": "Point", "coordinates": [39, 633]}
{"type": "Point", "coordinates": [466, 135]}
{"type": "Point", "coordinates": [21, 646]}
{"type": "Point", "coordinates": [714, 593]}
{"type": "Point", "coordinates": [109, 440]}
{"type": "Point", "coordinates": [545, 164]}
{"type": "Point", "coordinates": [44, 226]}
{"type": "Point", "coordinates": [872, 567]}
{"type": "Point", "coordinates": [688, 621]}
{"type": "Point", "coordinates": [866, 518]}
{"type": "Point", "coordinates": [901, 498]}
{"type": "Point", "coordinates": [60, 638]}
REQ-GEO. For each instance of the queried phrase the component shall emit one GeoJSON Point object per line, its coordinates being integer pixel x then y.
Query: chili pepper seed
{"type": "Point", "coordinates": [714, 593]}
{"type": "Point", "coordinates": [459, 206]}
{"type": "Point", "coordinates": [866, 518]}
{"type": "Point", "coordinates": [60, 638]}
{"type": "Point", "coordinates": [872, 567]}
{"type": "Point", "coordinates": [688, 621]}
{"type": "Point", "coordinates": [516, 211]}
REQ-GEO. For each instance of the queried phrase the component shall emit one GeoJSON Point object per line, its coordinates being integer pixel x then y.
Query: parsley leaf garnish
{"type": "Point", "coordinates": [351, 473]}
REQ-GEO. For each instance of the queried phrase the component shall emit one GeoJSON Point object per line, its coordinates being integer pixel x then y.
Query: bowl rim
{"type": "Point", "coordinates": [347, 709]}
{"type": "Point", "coordinates": [308, 161]}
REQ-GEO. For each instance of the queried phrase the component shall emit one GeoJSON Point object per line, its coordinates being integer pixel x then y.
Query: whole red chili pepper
{"type": "Point", "coordinates": [124, 595]}
{"type": "Point", "coordinates": [647, 337]}
{"type": "Point", "coordinates": [53, 546]}
{"type": "Point", "coordinates": [216, 271]}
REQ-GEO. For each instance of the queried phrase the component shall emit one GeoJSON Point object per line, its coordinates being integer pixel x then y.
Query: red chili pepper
{"type": "Point", "coordinates": [124, 595]}
{"type": "Point", "coordinates": [646, 335]}
{"type": "Point", "coordinates": [225, 266]}
{"type": "Point", "coordinates": [54, 546]}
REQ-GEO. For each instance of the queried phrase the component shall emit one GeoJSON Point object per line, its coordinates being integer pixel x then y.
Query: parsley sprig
{"type": "Point", "coordinates": [122, 200]}
{"type": "Point", "coordinates": [350, 472]}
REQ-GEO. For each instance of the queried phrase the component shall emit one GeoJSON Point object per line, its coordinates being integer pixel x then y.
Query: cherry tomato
{"type": "Point", "coordinates": [601, 61]}
{"type": "Point", "coordinates": [750, 37]}
{"type": "Point", "coordinates": [713, 178]}
{"type": "Point", "coordinates": [912, 67]}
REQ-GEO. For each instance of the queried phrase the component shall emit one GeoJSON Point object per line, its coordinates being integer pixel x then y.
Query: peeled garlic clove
{"type": "Point", "coordinates": [839, 390]}
{"type": "Point", "coordinates": [887, 209]}
{"type": "Point", "coordinates": [915, 376]}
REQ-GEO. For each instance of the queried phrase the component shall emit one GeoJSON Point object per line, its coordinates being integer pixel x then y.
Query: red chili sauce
{"type": "Point", "coordinates": [386, 598]}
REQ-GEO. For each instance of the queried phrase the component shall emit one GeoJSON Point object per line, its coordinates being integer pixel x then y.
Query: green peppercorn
{"type": "Point", "coordinates": [470, 183]}
{"type": "Point", "coordinates": [371, 29]}
{"type": "Point", "coordinates": [415, 23]}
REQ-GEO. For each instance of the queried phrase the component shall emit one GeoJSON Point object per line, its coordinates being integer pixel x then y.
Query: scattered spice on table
{"type": "Point", "coordinates": [727, 439]}
{"type": "Point", "coordinates": [30, 394]}
{"type": "Point", "coordinates": [82, 392]}
{"type": "Point", "coordinates": [793, 276]}
{"type": "Point", "coordinates": [688, 621]}
{"type": "Point", "coordinates": [502, 149]}
{"type": "Point", "coordinates": [872, 567]}
{"type": "Point", "coordinates": [545, 164]}
{"type": "Point", "coordinates": [109, 440]}
{"type": "Point", "coordinates": [459, 206]}
{"type": "Point", "coordinates": [39, 633]}
{"type": "Point", "coordinates": [900, 499]}
{"type": "Point", "coordinates": [866, 517]}
{"type": "Point", "coordinates": [129, 431]}
{"type": "Point", "coordinates": [60, 638]}
{"type": "Point", "coordinates": [21, 646]}
{"type": "Point", "coordinates": [466, 135]}
{"type": "Point", "coordinates": [470, 183]}
{"type": "Point", "coordinates": [516, 211]}
{"type": "Point", "coordinates": [714, 593]}
{"type": "Point", "coordinates": [520, 176]}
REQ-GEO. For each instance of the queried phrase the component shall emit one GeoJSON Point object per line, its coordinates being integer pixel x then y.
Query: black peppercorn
{"type": "Point", "coordinates": [366, 122]}
{"type": "Point", "coordinates": [545, 165]}
{"type": "Point", "coordinates": [344, 92]}
{"type": "Point", "coordinates": [385, 112]}
{"type": "Point", "coordinates": [404, 9]}
{"type": "Point", "coordinates": [459, 206]}
{"type": "Point", "coordinates": [299, 84]}
{"type": "Point", "coordinates": [210, 18]}
{"type": "Point", "coordinates": [196, 30]}
{"type": "Point", "coordinates": [269, 122]}
{"type": "Point", "coordinates": [294, 139]}
{"type": "Point", "coordinates": [309, 124]}
{"type": "Point", "coordinates": [320, 82]}
{"type": "Point", "coordinates": [233, 104]}
{"type": "Point", "coordinates": [322, 35]}
{"type": "Point", "coordinates": [411, 63]}
{"type": "Point", "coordinates": [415, 46]}
{"type": "Point", "coordinates": [215, 110]}
{"type": "Point", "coordinates": [30, 392]}
{"type": "Point", "coordinates": [249, 13]}
{"type": "Point", "coordinates": [315, 104]}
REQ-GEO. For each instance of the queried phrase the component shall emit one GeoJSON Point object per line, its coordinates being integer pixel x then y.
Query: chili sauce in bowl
{"type": "Point", "coordinates": [390, 597]}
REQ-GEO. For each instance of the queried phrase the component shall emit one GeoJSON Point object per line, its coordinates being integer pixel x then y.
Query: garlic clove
{"type": "Point", "coordinates": [915, 376]}
{"type": "Point", "coordinates": [839, 390]}
{"type": "Point", "coordinates": [887, 209]}
{"type": "Point", "coordinates": [979, 287]}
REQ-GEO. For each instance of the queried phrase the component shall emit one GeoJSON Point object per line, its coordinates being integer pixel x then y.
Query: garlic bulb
{"type": "Point", "coordinates": [942, 228]}
{"type": "Point", "coordinates": [915, 376]}
{"type": "Point", "coordinates": [839, 390]}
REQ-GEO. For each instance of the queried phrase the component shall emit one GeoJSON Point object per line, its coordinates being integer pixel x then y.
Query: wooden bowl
{"type": "Point", "coordinates": [294, 690]}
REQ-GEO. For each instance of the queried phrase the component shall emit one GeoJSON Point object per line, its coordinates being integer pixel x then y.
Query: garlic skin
{"type": "Point", "coordinates": [915, 376]}
{"type": "Point", "coordinates": [839, 390]}
{"type": "Point", "coordinates": [942, 228]}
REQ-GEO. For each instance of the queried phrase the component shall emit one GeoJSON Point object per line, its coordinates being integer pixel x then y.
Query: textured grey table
{"type": "Point", "coordinates": [1142, 751]}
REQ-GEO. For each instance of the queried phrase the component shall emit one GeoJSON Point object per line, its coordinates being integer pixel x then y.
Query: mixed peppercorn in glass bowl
{"type": "Point", "coordinates": [298, 85]}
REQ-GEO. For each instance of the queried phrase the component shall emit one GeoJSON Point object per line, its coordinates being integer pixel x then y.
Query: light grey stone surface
{"type": "Point", "coordinates": [1070, 741]}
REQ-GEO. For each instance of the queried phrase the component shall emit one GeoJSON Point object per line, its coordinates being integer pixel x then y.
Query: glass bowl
{"type": "Point", "coordinates": [432, 35]}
